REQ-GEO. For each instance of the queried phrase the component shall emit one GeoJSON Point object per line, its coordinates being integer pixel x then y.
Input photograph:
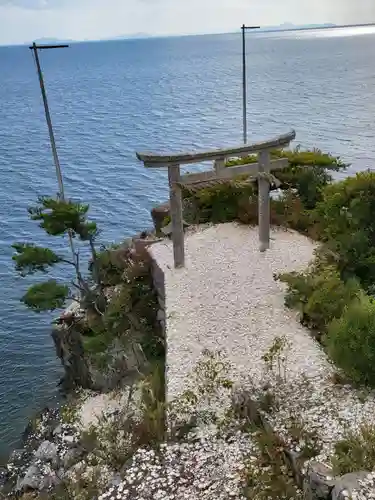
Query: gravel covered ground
{"type": "Point", "coordinates": [226, 298]}
{"type": "Point", "coordinates": [200, 469]}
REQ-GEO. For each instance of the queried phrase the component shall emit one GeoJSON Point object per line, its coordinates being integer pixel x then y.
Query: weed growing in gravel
{"type": "Point", "coordinates": [355, 452]}
{"type": "Point", "coordinates": [212, 373]}
{"type": "Point", "coordinates": [139, 423]}
{"type": "Point", "coordinates": [276, 357]}
{"type": "Point", "coordinates": [267, 476]}
{"type": "Point", "coordinates": [85, 485]}
{"type": "Point", "coordinates": [69, 411]}
{"type": "Point", "coordinates": [305, 441]}
{"type": "Point", "coordinates": [208, 383]}
{"type": "Point", "coordinates": [267, 401]}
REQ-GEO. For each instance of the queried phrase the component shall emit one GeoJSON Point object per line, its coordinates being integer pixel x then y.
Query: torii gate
{"type": "Point", "coordinates": [260, 170]}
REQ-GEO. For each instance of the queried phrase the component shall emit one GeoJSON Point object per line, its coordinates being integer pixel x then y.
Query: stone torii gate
{"type": "Point", "coordinates": [260, 170]}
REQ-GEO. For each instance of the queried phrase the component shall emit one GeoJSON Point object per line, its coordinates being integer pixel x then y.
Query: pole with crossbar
{"type": "Point", "coordinates": [244, 84]}
{"type": "Point", "coordinates": [35, 49]}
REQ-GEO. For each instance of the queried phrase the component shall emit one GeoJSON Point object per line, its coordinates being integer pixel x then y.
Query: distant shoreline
{"type": "Point", "coordinates": [271, 29]}
{"type": "Point", "coordinates": [314, 28]}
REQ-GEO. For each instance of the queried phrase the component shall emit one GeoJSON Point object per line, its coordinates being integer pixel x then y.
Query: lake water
{"type": "Point", "coordinates": [111, 99]}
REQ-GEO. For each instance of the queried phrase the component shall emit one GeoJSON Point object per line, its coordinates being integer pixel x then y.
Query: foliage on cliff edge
{"type": "Point", "coordinates": [302, 185]}
{"type": "Point", "coordinates": [335, 296]}
{"type": "Point", "coordinates": [116, 303]}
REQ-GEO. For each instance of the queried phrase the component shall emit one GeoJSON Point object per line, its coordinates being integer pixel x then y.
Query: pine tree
{"type": "Point", "coordinates": [60, 218]}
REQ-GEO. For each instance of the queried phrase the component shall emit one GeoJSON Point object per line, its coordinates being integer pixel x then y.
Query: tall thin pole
{"type": "Point", "coordinates": [244, 89]}
{"type": "Point", "coordinates": [35, 48]}
{"type": "Point", "coordinates": [244, 80]}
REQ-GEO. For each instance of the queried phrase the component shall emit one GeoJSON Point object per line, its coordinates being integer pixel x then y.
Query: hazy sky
{"type": "Point", "coordinates": [26, 20]}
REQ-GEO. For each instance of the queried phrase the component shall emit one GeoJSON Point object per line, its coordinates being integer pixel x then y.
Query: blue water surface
{"type": "Point", "coordinates": [111, 99]}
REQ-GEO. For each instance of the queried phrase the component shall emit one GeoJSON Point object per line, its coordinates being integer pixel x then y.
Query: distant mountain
{"type": "Point", "coordinates": [131, 36]}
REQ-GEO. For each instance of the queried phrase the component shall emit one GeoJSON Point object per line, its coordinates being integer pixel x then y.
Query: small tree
{"type": "Point", "coordinates": [60, 218]}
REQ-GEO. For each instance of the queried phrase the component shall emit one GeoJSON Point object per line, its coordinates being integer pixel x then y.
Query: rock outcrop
{"type": "Point", "coordinates": [79, 369]}
{"type": "Point", "coordinates": [69, 349]}
{"type": "Point", "coordinates": [52, 452]}
{"type": "Point", "coordinates": [39, 463]}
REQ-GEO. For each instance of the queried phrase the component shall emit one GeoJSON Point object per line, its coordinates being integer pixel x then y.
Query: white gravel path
{"type": "Point", "coordinates": [226, 298]}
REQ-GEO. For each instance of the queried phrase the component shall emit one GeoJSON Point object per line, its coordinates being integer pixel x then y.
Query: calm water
{"type": "Point", "coordinates": [110, 99]}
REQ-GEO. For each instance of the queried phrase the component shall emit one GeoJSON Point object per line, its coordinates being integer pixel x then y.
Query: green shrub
{"type": "Point", "coordinates": [97, 344]}
{"type": "Point", "coordinates": [219, 203]}
{"type": "Point", "coordinates": [238, 200]}
{"type": "Point", "coordinates": [111, 266]}
{"type": "Point", "coordinates": [229, 202]}
{"type": "Point", "coordinates": [319, 294]}
{"type": "Point", "coordinates": [131, 313]}
{"type": "Point", "coordinates": [355, 452]}
{"type": "Point", "coordinates": [347, 223]}
{"type": "Point", "coordinates": [289, 211]}
{"type": "Point", "coordinates": [350, 341]}
{"type": "Point", "coordinates": [116, 318]}
{"type": "Point", "coordinates": [308, 173]}
{"type": "Point", "coordinates": [297, 157]}
{"type": "Point", "coordinates": [308, 182]}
